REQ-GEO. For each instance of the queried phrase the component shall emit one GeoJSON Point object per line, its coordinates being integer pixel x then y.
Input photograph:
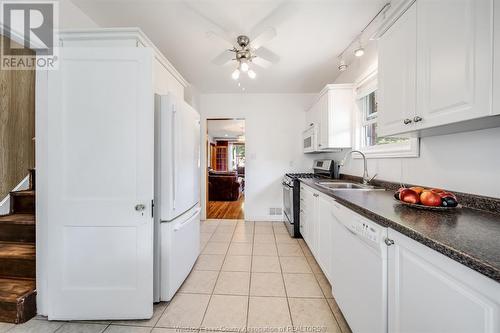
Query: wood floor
{"type": "Point", "coordinates": [232, 210]}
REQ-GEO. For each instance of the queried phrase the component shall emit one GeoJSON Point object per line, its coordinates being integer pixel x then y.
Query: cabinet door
{"type": "Point", "coordinates": [303, 218]}
{"type": "Point", "coordinates": [309, 209]}
{"type": "Point", "coordinates": [454, 60]}
{"type": "Point", "coordinates": [307, 213]}
{"type": "Point", "coordinates": [429, 292]}
{"type": "Point", "coordinates": [397, 75]}
{"type": "Point", "coordinates": [325, 218]}
{"type": "Point", "coordinates": [496, 60]}
{"type": "Point", "coordinates": [322, 110]}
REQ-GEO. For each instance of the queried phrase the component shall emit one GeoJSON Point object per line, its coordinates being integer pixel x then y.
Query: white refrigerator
{"type": "Point", "coordinates": [177, 194]}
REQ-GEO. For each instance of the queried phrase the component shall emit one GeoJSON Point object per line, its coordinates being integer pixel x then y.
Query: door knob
{"type": "Point", "coordinates": [140, 207]}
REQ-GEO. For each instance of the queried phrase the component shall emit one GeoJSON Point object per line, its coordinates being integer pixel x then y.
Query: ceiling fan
{"type": "Point", "coordinates": [247, 52]}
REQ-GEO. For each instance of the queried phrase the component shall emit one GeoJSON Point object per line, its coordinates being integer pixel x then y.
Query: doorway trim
{"type": "Point", "coordinates": [204, 140]}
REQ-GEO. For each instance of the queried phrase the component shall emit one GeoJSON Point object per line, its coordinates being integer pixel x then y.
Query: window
{"type": "Point", "coordinates": [366, 136]}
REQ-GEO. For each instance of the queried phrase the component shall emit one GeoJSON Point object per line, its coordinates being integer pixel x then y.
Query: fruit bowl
{"type": "Point", "coordinates": [428, 199]}
{"type": "Point", "coordinates": [435, 208]}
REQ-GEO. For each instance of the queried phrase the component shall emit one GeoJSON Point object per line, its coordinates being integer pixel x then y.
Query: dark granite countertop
{"type": "Point", "coordinates": [466, 235]}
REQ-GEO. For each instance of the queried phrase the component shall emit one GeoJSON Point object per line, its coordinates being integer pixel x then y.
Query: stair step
{"type": "Point", "coordinates": [17, 300]}
{"type": "Point", "coordinates": [17, 228]}
{"type": "Point", "coordinates": [17, 260]}
{"type": "Point", "coordinates": [22, 202]}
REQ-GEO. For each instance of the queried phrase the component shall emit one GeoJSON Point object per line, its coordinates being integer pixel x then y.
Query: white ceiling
{"type": "Point", "coordinates": [310, 35]}
{"type": "Point", "coordinates": [228, 129]}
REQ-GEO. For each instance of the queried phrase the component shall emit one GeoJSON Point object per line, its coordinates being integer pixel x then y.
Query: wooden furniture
{"type": "Point", "coordinates": [436, 68]}
{"type": "Point", "coordinates": [221, 158]}
{"type": "Point", "coordinates": [330, 116]}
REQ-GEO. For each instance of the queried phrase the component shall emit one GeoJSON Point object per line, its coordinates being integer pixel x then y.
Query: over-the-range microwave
{"type": "Point", "coordinates": [309, 140]}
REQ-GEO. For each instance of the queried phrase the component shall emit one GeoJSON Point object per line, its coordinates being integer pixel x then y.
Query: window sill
{"type": "Point", "coordinates": [412, 149]}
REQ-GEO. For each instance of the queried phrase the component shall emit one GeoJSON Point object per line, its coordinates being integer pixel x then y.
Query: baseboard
{"type": "Point", "coordinates": [5, 203]}
{"type": "Point", "coordinates": [265, 218]}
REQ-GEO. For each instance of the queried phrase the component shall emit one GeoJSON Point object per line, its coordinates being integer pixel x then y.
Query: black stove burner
{"type": "Point", "coordinates": [302, 175]}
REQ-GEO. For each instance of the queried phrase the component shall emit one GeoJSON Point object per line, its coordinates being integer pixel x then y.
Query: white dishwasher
{"type": "Point", "coordinates": [359, 270]}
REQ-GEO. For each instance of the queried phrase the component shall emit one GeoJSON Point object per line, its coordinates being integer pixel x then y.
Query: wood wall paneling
{"type": "Point", "coordinates": [17, 126]}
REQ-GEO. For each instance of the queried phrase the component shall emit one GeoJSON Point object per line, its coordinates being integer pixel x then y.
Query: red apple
{"type": "Point", "coordinates": [437, 190]}
{"type": "Point", "coordinates": [447, 195]}
{"type": "Point", "coordinates": [409, 196]}
{"type": "Point", "coordinates": [430, 198]}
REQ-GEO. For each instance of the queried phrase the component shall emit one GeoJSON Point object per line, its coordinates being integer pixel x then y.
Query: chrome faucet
{"type": "Point", "coordinates": [366, 178]}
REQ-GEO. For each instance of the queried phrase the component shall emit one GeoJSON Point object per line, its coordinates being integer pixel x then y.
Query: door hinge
{"type": "Point", "coordinates": [389, 241]}
{"type": "Point", "coordinates": [152, 208]}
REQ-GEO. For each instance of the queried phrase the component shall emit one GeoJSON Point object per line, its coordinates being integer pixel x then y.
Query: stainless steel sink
{"type": "Point", "coordinates": [348, 186]}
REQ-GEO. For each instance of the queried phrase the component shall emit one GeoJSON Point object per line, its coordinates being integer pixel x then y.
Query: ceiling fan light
{"type": "Point", "coordinates": [252, 74]}
{"type": "Point", "coordinates": [244, 66]}
{"type": "Point", "coordinates": [236, 74]}
{"type": "Point", "coordinates": [359, 52]}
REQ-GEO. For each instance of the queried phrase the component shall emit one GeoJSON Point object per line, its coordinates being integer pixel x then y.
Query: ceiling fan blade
{"type": "Point", "coordinates": [266, 54]}
{"type": "Point", "coordinates": [262, 62]}
{"type": "Point", "coordinates": [228, 38]}
{"type": "Point", "coordinates": [223, 58]}
{"type": "Point", "coordinates": [263, 38]}
{"type": "Point", "coordinates": [274, 19]}
{"type": "Point", "coordinates": [216, 28]}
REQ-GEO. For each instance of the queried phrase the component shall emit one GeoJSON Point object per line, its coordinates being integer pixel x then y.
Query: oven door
{"type": "Point", "coordinates": [288, 202]}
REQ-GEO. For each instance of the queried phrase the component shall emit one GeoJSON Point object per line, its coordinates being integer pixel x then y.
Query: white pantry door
{"type": "Point", "coordinates": [101, 153]}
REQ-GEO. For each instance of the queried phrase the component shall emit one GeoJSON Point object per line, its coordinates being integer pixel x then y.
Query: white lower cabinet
{"type": "Point", "coordinates": [324, 232]}
{"type": "Point", "coordinates": [309, 217]}
{"type": "Point", "coordinates": [429, 292]}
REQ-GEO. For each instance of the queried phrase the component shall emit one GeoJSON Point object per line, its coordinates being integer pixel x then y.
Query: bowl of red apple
{"type": "Point", "coordinates": [431, 199]}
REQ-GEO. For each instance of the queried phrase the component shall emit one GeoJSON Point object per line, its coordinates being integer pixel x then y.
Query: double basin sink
{"type": "Point", "coordinates": [335, 186]}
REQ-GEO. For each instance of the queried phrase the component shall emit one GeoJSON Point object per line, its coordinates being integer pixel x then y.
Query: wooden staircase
{"type": "Point", "coordinates": [17, 257]}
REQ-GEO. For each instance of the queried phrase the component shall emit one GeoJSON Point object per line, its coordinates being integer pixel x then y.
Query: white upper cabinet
{"type": "Point", "coordinates": [331, 116]}
{"type": "Point", "coordinates": [166, 79]}
{"type": "Point", "coordinates": [431, 293]}
{"type": "Point", "coordinates": [436, 68]}
{"type": "Point", "coordinates": [496, 60]}
{"type": "Point", "coordinates": [397, 74]}
{"type": "Point", "coordinates": [454, 60]}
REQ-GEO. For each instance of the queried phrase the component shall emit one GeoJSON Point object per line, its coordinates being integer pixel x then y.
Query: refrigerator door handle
{"type": "Point", "coordinates": [186, 221]}
{"type": "Point", "coordinates": [174, 150]}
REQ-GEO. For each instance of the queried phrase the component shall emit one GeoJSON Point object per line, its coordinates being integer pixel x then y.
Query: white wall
{"type": "Point", "coordinates": [466, 162]}
{"type": "Point", "coordinates": [273, 127]}
{"type": "Point", "coordinates": [71, 17]}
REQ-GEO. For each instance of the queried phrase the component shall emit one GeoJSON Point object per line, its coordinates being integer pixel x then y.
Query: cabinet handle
{"type": "Point", "coordinates": [316, 195]}
{"type": "Point", "coordinates": [301, 210]}
{"type": "Point", "coordinates": [319, 145]}
{"type": "Point", "coordinates": [417, 119]}
{"type": "Point", "coordinates": [311, 124]}
{"type": "Point", "coordinates": [407, 121]}
{"type": "Point", "coordinates": [389, 241]}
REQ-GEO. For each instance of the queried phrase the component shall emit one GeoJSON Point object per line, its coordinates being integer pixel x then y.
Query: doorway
{"type": "Point", "coordinates": [226, 169]}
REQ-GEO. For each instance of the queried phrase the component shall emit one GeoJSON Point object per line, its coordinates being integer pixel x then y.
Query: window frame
{"type": "Point", "coordinates": [362, 88]}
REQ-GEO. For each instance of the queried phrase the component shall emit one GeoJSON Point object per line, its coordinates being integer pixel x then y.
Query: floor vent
{"type": "Point", "coordinates": [275, 211]}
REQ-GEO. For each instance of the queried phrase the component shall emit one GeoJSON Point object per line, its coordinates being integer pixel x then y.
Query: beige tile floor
{"type": "Point", "coordinates": [249, 276]}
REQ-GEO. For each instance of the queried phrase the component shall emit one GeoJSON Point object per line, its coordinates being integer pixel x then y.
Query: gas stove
{"type": "Point", "coordinates": [291, 193]}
